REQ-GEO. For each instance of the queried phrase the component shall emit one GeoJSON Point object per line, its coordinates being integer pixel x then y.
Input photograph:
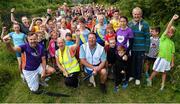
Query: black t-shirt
{"type": "Point", "coordinates": [24, 29]}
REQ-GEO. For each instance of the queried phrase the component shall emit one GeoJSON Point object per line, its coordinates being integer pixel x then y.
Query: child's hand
{"type": "Point", "coordinates": [175, 17]}
{"type": "Point", "coordinates": [172, 65]}
{"type": "Point", "coordinates": [125, 58]}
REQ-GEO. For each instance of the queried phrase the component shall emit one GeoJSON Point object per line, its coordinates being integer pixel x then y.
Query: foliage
{"type": "Point", "coordinates": [155, 10]}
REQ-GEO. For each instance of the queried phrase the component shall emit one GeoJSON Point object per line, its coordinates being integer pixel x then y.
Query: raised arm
{"type": "Point", "coordinates": [12, 16]}
{"type": "Point", "coordinates": [2, 33]}
{"type": "Point", "coordinates": [10, 47]}
{"type": "Point", "coordinates": [77, 39]}
{"type": "Point", "coordinates": [171, 22]}
{"type": "Point", "coordinates": [32, 24]}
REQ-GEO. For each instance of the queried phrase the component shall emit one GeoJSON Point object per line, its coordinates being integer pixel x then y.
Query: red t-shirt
{"type": "Point", "coordinates": [110, 36]}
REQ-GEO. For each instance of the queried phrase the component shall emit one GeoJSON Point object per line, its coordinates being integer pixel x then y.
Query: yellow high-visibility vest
{"type": "Point", "coordinates": [69, 63]}
{"type": "Point", "coordinates": [82, 38]}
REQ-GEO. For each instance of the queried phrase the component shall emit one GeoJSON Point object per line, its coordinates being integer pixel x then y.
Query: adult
{"type": "Point", "coordinates": [93, 57]}
{"type": "Point", "coordinates": [35, 62]}
{"type": "Point", "coordinates": [141, 42]}
{"type": "Point", "coordinates": [24, 26]}
{"type": "Point", "coordinates": [67, 62]}
{"type": "Point", "coordinates": [100, 30]}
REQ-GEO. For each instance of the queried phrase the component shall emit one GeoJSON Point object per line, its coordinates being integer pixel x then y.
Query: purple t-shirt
{"type": "Point", "coordinates": [33, 56]}
{"type": "Point", "coordinates": [123, 36]}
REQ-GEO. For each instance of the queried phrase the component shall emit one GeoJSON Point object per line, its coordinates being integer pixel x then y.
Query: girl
{"type": "Point", "coordinates": [18, 39]}
{"type": "Point", "coordinates": [120, 69]}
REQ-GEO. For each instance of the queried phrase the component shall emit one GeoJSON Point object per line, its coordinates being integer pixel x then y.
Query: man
{"type": "Point", "coordinates": [35, 63]}
{"type": "Point", "coordinates": [93, 57]}
{"type": "Point", "coordinates": [67, 62]}
{"type": "Point", "coordinates": [24, 26]}
{"type": "Point", "coordinates": [141, 42]}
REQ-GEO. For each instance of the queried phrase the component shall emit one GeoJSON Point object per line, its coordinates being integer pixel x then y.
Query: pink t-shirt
{"type": "Point", "coordinates": [51, 48]}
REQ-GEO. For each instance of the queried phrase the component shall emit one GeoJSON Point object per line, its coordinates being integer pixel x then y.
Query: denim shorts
{"type": "Point", "coordinates": [18, 54]}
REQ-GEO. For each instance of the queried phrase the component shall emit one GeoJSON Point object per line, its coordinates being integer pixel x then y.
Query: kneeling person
{"type": "Point", "coordinates": [93, 57]}
{"type": "Point", "coordinates": [35, 63]}
{"type": "Point", "coordinates": [67, 62]}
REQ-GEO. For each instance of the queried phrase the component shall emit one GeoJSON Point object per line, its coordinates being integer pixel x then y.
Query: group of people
{"type": "Point", "coordinates": [93, 40]}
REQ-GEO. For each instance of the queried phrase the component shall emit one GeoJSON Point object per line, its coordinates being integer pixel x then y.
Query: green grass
{"type": "Point", "coordinates": [19, 93]}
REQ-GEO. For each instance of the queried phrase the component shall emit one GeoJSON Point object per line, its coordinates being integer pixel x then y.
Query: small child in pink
{"type": "Point", "coordinates": [52, 47]}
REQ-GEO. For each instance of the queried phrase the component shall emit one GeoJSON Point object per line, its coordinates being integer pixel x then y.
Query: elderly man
{"type": "Point", "coordinates": [93, 57]}
{"type": "Point", "coordinates": [67, 62]}
{"type": "Point", "coordinates": [141, 42]}
{"type": "Point", "coordinates": [35, 62]}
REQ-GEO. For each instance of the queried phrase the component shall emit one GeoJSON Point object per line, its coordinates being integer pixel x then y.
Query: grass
{"type": "Point", "coordinates": [19, 93]}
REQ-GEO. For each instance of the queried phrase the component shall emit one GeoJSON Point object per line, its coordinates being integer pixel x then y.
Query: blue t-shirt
{"type": "Point", "coordinates": [33, 56]}
{"type": "Point", "coordinates": [69, 43]}
{"type": "Point", "coordinates": [18, 39]}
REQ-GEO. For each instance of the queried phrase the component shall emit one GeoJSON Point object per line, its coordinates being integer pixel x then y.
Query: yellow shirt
{"type": "Point", "coordinates": [115, 24]}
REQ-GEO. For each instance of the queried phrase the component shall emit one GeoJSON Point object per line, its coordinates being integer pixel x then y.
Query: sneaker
{"type": "Point", "coordinates": [125, 85]}
{"type": "Point", "coordinates": [43, 83]}
{"type": "Point", "coordinates": [130, 79]}
{"type": "Point", "coordinates": [23, 78]}
{"type": "Point", "coordinates": [92, 80]}
{"type": "Point", "coordinates": [103, 88]}
{"type": "Point", "coordinates": [137, 82]}
{"type": "Point", "coordinates": [149, 82]}
{"type": "Point", "coordinates": [162, 87]}
{"type": "Point", "coordinates": [147, 74]}
{"type": "Point", "coordinates": [47, 79]}
{"type": "Point", "coordinates": [116, 89]}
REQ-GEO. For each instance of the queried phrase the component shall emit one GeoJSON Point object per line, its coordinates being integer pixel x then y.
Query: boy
{"type": "Point", "coordinates": [165, 60]}
{"type": "Point", "coordinates": [153, 51]}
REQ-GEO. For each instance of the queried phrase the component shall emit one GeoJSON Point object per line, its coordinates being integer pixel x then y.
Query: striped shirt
{"type": "Point", "coordinates": [141, 41]}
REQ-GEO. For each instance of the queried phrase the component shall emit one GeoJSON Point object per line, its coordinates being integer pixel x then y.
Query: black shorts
{"type": "Point", "coordinates": [150, 59]}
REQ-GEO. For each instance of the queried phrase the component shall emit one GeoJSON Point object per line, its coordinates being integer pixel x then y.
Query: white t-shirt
{"type": "Point", "coordinates": [63, 32]}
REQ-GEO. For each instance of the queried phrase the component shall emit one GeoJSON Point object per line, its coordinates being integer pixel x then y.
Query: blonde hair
{"type": "Point", "coordinates": [60, 38]}
{"type": "Point", "coordinates": [137, 9]}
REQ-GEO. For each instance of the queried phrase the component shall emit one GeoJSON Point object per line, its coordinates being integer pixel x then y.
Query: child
{"type": "Point", "coordinates": [69, 40]}
{"type": "Point", "coordinates": [153, 51]}
{"type": "Point", "coordinates": [18, 39]}
{"type": "Point", "coordinates": [52, 47]}
{"type": "Point", "coordinates": [110, 34]}
{"type": "Point", "coordinates": [120, 69]}
{"type": "Point", "coordinates": [165, 59]}
{"type": "Point", "coordinates": [111, 57]}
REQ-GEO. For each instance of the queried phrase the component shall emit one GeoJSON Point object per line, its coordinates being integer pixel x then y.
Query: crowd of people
{"type": "Point", "coordinates": [90, 39]}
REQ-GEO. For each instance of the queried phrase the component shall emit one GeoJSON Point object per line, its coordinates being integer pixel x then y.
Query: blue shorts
{"type": "Point", "coordinates": [18, 54]}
